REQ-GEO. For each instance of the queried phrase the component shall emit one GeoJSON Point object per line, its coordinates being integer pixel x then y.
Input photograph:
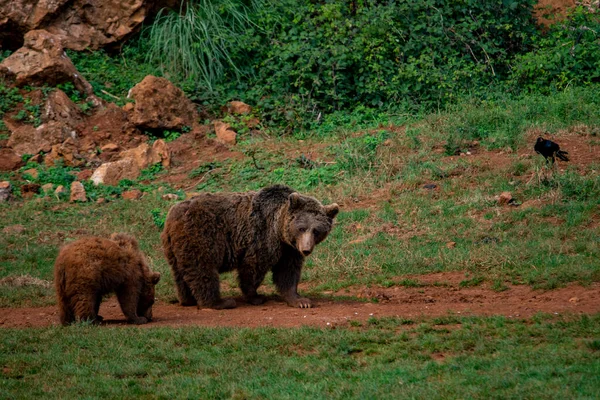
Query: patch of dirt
{"type": "Point", "coordinates": [190, 151]}
{"type": "Point", "coordinates": [427, 301]}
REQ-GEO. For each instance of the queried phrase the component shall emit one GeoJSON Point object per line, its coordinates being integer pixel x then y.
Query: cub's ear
{"type": "Point", "coordinates": [155, 277]}
{"type": "Point", "coordinates": [332, 210]}
{"type": "Point", "coordinates": [295, 200]}
{"type": "Point", "coordinates": [124, 240]}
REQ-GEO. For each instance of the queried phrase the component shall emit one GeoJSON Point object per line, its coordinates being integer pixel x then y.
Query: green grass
{"type": "Point", "coordinates": [388, 358]}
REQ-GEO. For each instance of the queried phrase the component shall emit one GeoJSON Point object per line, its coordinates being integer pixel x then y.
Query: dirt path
{"type": "Point", "coordinates": [428, 301]}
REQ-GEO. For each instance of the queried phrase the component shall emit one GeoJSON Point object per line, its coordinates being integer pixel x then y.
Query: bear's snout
{"type": "Point", "coordinates": [306, 244]}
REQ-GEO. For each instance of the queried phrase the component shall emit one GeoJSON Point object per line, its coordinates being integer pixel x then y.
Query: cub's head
{"type": "Point", "coordinates": [144, 308]}
{"type": "Point", "coordinates": [308, 222]}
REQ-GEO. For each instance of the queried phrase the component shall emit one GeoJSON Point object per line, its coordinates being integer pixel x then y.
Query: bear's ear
{"type": "Point", "coordinates": [295, 200]}
{"type": "Point", "coordinates": [332, 210]}
{"type": "Point", "coordinates": [124, 240]}
{"type": "Point", "coordinates": [155, 277]}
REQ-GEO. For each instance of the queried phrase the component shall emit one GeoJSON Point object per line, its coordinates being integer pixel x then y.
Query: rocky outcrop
{"type": "Point", "coordinates": [68, 152]}
{"type": "Point", "coordinates": [42, 61]}
{"type": "Point", "coordinates": [145, 156]}
{"type": "Point", "coordinates": [25, 139]}
{"type": "Point", "coordinates": [58, 107]}
{"type": "Point", "coordinates": [79, 24]}
{"type": "Point", "coordinates": [160, 105]}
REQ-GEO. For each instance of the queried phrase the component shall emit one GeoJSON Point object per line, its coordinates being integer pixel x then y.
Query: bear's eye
{"type": "Point", "coordinates": [302, 229]}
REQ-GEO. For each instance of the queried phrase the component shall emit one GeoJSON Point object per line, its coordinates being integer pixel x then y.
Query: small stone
{"type": "Point", "coordinates": [32, 172]}
{"type": "Point", "coordinates": [239, 107]}
{"type": "Point", "coordinates": [59, 190]}
{"type": "Point", "coordinates": [101, 200]}
{"type": "Point", "coordinates": [77, 192]}
{"type": "Point", "coordinates": [132, 194]}
{"type": "Point", "coordinates": [505, 198]}
{"type": "Point", "coordinates": [108, 148]}
{"type": "Point", "coordinates": [170, 196]}
{"type": "Point", "coordinates": [574, 300]}
{"type": "Point", "coordinates": [387, 142]}
{"type": "Point", "coordinates": [84, 175]}
{"type": "Point", "coordinates": [189, 195]}
{"type": "Point", "coordinates": [224, 133]}
{"type": "Point", "coordinates": [38, 158]}
{"type": "Point", "coordinates": [29, 190]}
{"type": "Point", "coordinates": [451, 245]}
{"type": "Point", "coordinates": [47, 188]}
{"type": "Point", "coordinates": [430, 186]}
{"type": "Point", "coordinates": [5, 190]}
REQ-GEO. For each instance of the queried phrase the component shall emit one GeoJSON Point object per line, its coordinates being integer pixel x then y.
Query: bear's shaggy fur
{"type": "Point", "coordinates": [89, 268]}
{"type": "Point", "coordinates": [273, 229]}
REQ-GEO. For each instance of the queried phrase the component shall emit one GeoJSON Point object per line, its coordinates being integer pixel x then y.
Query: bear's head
{"type": "Point", "coordinates": [308, 222]}
{"type": "Point", "coordinates": [144, 307]}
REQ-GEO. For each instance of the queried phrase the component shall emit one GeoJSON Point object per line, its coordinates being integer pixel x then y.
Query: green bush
{"type": "Point", "coordinates": [324, 56]}
{"type": "Point", "coordinates": [567, 55]}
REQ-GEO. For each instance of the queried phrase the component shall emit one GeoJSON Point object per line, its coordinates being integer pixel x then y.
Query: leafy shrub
{"type": "Point", "coordinates": [568, 54]}
{"type": "Point", "coordinates": [158, 217]}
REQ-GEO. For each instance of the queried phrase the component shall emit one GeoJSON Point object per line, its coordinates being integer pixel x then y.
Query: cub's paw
{"type": "Point", "coordinates": [256, 300]}
{"type": "Point", "coordinates": [301, 302]}
{"type": "Point", "coordinates": [225, 304]}
{"type": "Point", "coordinates": [138, 320]}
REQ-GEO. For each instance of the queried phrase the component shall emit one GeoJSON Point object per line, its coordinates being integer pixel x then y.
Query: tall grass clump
{"type": "Point", "coordinates": [195, 44]}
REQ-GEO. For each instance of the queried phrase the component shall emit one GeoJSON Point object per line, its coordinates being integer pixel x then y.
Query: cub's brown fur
{"type": "Point", "coordinates": [255, 232]}
{"type": "Point", "coordinates": [89, 268]}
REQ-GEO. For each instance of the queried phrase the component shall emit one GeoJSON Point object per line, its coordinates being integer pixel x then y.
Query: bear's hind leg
{"type": "Point", "coordinates": [129, 296]}
{"type": "Point", "coordinates": [84, 307]}
{"type": "Point", "coordinates": [65, 312]}
{"type": "Point", "coordinates": [250, 280]}
{"type": "Point", "coordinates": [184, 293]}
{"type": "Point", "coordinates": [205, 287]}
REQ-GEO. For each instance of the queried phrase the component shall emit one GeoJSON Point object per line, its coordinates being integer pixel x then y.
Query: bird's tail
{"type": "Point", "coordinates": [562, 155]}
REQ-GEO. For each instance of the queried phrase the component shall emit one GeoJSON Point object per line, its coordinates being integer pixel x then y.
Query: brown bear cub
{"type": "Point", "coordinates": [89, 268]}
{"type": "Point", "coordinates": [273, 229]}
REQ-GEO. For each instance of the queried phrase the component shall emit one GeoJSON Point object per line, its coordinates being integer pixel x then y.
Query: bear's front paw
{"type": "Point", "coordinates": [301, 302]}
{"type": "Point", "coordinates": [225, 304]}
{"type": "Point", "coordinates": [138, 320]}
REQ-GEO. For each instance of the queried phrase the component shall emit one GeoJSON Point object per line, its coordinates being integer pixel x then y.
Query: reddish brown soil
{"type": "Point", "coordinates": [413, 303]}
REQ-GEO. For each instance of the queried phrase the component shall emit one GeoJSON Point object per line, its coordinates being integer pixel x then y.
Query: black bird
{"type": "Point", "coordinates": [549, 150]}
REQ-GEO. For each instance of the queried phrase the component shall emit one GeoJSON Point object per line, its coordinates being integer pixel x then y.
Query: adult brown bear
{"type": "Point", "coordinates": [273, 229]}
{"type": "Point", "coordinates": [89, 268]}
